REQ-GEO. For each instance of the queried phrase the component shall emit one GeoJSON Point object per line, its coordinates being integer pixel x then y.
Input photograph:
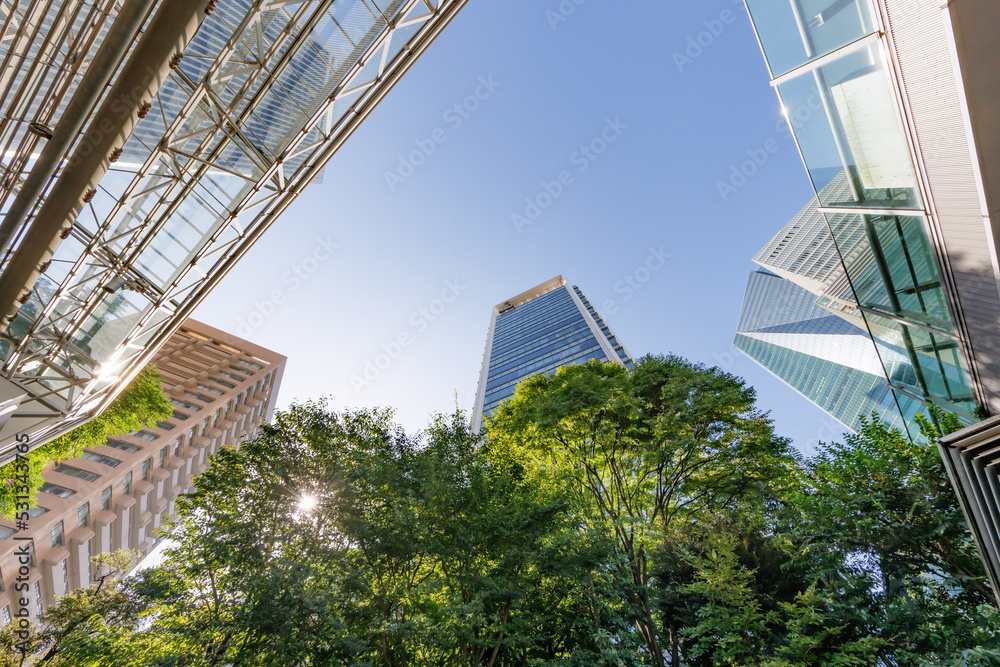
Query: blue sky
{"type": "Point", "coordinates": [529, 141]}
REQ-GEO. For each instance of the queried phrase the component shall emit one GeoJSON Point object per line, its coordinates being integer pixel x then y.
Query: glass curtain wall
{"type": "Point", "coordinates": [185, 174]}
{"type": "Point", "coordinates": [826, 62]}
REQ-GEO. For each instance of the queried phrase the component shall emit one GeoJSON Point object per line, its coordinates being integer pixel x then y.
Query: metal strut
{"type": "Point", "coordinates": [169, 32]}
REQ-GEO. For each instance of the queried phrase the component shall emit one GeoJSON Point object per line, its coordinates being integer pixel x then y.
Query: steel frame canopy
{"type": "Point", "coordinates": [264, 95]}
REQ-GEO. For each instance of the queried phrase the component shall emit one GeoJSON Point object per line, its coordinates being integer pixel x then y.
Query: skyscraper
{"type": "Point", "coordinates": [537, 331]}
{"type": "Point", "coordinates": [117, 496]}
{"type": "Point", "coordinates": [147, 145]}
{"type": "Point", "coordinates": [826, 358]}
{"type": "Point", "coordinates": [892, 104]}
{"type": "Point", "coordinates": [800, 321]}
{"type": "Point", "coordinates": [897, 100]}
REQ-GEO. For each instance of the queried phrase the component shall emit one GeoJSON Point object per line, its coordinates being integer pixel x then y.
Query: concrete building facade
{"type": "Point", "coordinates": [118, 496]}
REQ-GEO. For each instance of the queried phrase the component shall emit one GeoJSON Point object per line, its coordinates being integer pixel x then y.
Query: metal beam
{"type": "Point", "coordinates": [168, 33]}
{"type": "Point", "coordinates": [120, 36]}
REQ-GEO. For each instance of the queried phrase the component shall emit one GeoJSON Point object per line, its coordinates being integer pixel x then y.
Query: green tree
{"type": "Point", "coordinates": [610, 516]}
{"type": "Point", "coordinates": [881, 506]}
{"type": "Point", "coordinates": [734, 628]}
{"type": "Point", "coordinates": [336, 539]}
{"type": "Point", "coordinates": [141, 405]}
{"type": "Point", "coordinates": [77, 627]}
{"type": "Point", "coordinates": [647, 451]}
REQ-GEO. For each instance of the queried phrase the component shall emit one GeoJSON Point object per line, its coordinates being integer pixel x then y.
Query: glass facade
{"type": "Point", "coordinates": [824, 357]}
{"type": "Point", "coordinates": [261, 98]}
{"type": "Point", "coordinates": [552, 329]}
{"type": "Point", "coordinates": [829, 69]}
{"type": "Point", "coordinates": [794, 32]}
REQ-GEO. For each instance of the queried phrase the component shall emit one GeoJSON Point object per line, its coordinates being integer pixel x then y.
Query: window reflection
{"type": "Point", "coordinates": [846, 124]}
{"type": "Point", "coordinates": [793, 32]}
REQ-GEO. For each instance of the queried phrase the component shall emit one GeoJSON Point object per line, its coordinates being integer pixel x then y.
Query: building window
{"type": "Point", "coordinates": [36, 512]}
{"type": "Point", "coordinates": [90, 564]}
{"type": "Point", "coordinates": [57, 534]}
{"type": "Point", "coordinates": [180, 416]}
{"type": "Point", "coordinates": [229, 385]}
{"type": "Point", "coordinates": [31, 553]}
{"type": "Point", "coordinates": [184, 404]}
{"type": "Point", "coordinates": [79, 473]}
{"type": "Point", "coordinates": [127, 483]}
{"type": "Point", "coordinates": [145, 435]}
{"type": "Point", "coordinates": [146, 465]}
{"type": "Point", "coordinates": [203, 399]}
{"type": "Point", "coordinates": [112, 540]}
{"type": "Point", "coordinates": [6, 532]}
{"type": "Point", "coordinates": [163, 457]}
{"type": "Point", "coordinates": [106, 499]}
{"type": "Point", "coordinates": [218, 415]}
{"type": "Point", "coordinates": [38, 594]}
{"type": "Point", "coordinates": [124, 446]}
{"type": "Point", "coordinates": [212, 390]}
{"type": "Point", "coordinates": [204, 425]}
{"type": "Point", "coordinates": [65, 573]}
{"type": "Point", "coordinates": [193, 433]}
{"type": "Point", "coordinates": [109, 461]}
{"type": "Point", "coordinates": [83, 515]}
{"type": "Point", "coordinates": [165, 426]}
{"type": "Point", "coordinates": [6, 615]}
{"type": "Point", "coordinates": [229, 409]}
{"type": "Point", "coordinates": [178, 443]}
{"type": "Point", "coordinates": [56, 490]}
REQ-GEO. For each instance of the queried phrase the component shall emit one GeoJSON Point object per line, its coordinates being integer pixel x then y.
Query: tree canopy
{"type": "Point", "coordinates": [605, 516]}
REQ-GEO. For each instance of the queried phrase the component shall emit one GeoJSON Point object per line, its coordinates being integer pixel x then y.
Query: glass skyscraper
{"type": "Point", "coordinates": [846, 74]}
{"type": "Point", "coordinates": [827, 359]}
{"type": "Point", "coordinates": [538, 331]}
{"type": "Point", "coordinates": [893, 107]}
{"type": "Point", "coordinates": [801, 321]}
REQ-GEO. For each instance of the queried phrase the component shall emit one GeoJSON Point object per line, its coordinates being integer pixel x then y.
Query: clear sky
{"type": "Point", "coordinates": [533, 138]}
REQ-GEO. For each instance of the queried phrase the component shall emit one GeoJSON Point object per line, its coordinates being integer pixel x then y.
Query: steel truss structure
{"type": "Point", "coordinates": [264, 95]}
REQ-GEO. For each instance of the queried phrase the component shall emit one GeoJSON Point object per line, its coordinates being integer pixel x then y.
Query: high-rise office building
{"type": "Point", "coordinates": [118, 495]}
{"type": "Point", "coordinates": [800, 321]}
{"type": "Point", "coordinates": [147, 144]}
{"type": "Point", "coordinates": [826, 358]}
{"type": "Point", "coordinates": [893, 106]}
{"type": "Point", "coordinates": [537, 331]}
